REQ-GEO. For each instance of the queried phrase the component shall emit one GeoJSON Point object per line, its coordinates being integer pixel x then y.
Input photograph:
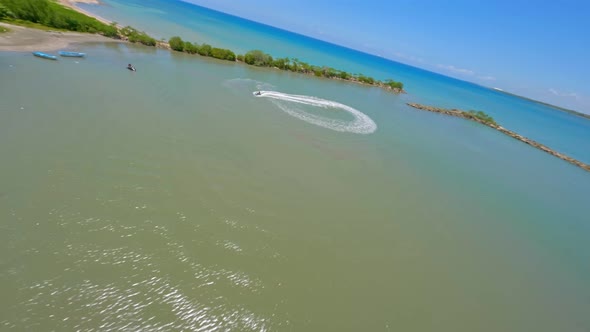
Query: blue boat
{"type": "Point", "coordinates": [72, 54]}
{"type": "Point", "coordinates": [45, 55]}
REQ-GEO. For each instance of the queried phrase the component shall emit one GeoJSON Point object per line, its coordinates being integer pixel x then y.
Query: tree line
{"type": "Point", "coordinates": [51, 14]}
{"type": "Point", "coordinates": [177, 44]}
{"type": "Point", "coordinates": [260, 59]}
{"type": "Point", "coordinates": [54, 15]}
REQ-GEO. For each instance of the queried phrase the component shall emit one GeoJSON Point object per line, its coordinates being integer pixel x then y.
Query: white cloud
{"type": "Point", "coordinates": [563, 94]}
{"type": "Point", "coordinates": [466, 72]}
{"type": "Point", "coordinates": [408, 57]}
{"type": "Point", "coordinates": [457, 70]}
{"type": "Point", "coordinates": [487, 78]}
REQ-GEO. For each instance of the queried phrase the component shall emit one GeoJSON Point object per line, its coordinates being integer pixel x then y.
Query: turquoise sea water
{"type": "Point", "coordinates": [173, 199]}
{"type": "Point", "coordinates": [564, 132]}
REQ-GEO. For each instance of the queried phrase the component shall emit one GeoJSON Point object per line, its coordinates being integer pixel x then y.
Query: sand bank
{"type": "Point", "coordinates": [28, 40]}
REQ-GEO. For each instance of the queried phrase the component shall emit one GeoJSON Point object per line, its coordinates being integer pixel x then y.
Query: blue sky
{"type": "Point", "coordinates": [539, 49]}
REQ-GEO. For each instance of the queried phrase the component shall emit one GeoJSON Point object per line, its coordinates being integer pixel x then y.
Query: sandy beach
{"type": "Point", "coordinates": [72, 4]}
{"type": "Point", "coordinates": [23, 39]}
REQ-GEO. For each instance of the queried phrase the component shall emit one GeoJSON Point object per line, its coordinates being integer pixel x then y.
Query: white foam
{"type": "Point", "coordinates": [361, 124]}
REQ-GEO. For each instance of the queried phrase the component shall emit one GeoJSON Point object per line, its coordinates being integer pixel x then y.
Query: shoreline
{"type": "Point", "coordinates": [558, 108]}
{"type": "Point", "coordinates": [72, 5]}
{"type": "Point", "coordinates": [23, 39]}
{"type": "Point", "coordinates": [54, 40]}
{"type": "Point", "coordinates": [535, 144]}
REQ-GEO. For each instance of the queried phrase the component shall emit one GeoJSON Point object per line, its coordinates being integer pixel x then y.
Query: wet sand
{"type": "Point", "coordinates": [23, 39]}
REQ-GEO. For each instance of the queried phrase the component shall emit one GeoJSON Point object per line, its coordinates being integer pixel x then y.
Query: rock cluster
{"type": "Point", "coordinates": [469, 116]}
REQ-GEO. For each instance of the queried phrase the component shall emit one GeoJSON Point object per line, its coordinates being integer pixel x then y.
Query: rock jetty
{"type": "Point", "coordinates": [494, 125]}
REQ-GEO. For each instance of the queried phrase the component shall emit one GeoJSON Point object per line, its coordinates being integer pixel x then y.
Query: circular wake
{"type": "Point", "coordinates": [361, 124]}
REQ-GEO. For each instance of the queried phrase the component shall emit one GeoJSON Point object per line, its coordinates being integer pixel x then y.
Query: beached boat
{"type": "Point", "coordinates": [45, 55]}
{"type": "Point", "coordinates": [72, 54]}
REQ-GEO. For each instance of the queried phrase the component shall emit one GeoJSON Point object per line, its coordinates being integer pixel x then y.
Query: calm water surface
{"type": "Point", "coordinates": [563, 132]}
{"type": "Point", "coordinates": [173, 199]}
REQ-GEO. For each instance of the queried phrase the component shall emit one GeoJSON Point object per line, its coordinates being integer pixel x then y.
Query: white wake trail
{"type": "Point", "coordinates": [361, 124]}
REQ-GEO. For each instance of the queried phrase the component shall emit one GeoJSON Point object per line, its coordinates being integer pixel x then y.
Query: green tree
{"type": "Point", "coordinates": [36, 11]}
{"type": "Point", "coordinates": [344, 75]}
{"type": "Point", "coordinates": [281, 63]}
{"type": "Point", "coordinates": [394, 85]}
{"type": "Point", "coordinates": [136, 36]}
{"type": "Point", "coordinates": [481, 116]}
{"type": "Point", "coordinates": [305, 67]}
{"type": "Point", "coordinates": [230, 55]}
{"type": "Point", "coordinates": [191, 48]}
{"type": "Point", "coordinates": [176, 43]}
{"type": "Point", "coordinates": [111, 31]}
{"type": "Point", "coordinates": [330, 72]}
{"type": "Point", "coordinates": [5, 12]}
{"type": "Point", "coordinates": [205, 50]}
{"type": "Point", "coordinates": [366, 79]}
{"type": "Point", "coordinates": [317, 71]}
{"type": "Point", "coordinates": [258, 58]}
{"type": "Point", "coordinates": [223, 54]}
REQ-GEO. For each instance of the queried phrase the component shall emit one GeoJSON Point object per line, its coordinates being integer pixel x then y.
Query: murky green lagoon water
{"type": "Point", "coordinates": [173, 199]}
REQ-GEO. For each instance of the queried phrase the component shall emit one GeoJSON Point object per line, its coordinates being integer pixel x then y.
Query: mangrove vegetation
{"type": "Point", "coordinates": [260, 59]}
{"type": "Point", "coordinates": [481, 117]}
{"type": "Point", "coordinates": [135, 36]}
{"type": "Point", "coordinates": [177, 44]}
{"type": "Point", "coordinates": [53, 15]}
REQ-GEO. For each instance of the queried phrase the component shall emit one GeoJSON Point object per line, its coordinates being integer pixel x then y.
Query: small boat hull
{"type": "Point", "coordinates": [45, 55]}
{"type": "Point", "coordinates": [72, 54]}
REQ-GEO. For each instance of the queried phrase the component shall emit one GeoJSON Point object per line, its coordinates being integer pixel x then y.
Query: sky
{"type": "Point", "coordinates": [535, 48]}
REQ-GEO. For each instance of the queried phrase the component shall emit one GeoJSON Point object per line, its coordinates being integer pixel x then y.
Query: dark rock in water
{"type": "Point", "coordinates": [494, 125]}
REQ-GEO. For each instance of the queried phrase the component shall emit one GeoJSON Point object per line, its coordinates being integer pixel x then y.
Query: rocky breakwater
{"type": "Point", "coordinates": [486, 120]}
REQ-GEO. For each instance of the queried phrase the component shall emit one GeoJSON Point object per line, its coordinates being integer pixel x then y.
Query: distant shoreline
{"type": "Point", "coordinates": [72, 5]}
{"type": "Point", "coordinates": [493, 125]}
{"type": "Point", "coordinates": [558, 108]}
{"type": "Point", "coordinates": [29, 39]}
{"type": "Point", "coordinates": [127, 33]}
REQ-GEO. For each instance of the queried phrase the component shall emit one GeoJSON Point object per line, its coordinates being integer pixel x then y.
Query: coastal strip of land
{"type": "Point", "coordinates": [72, 5]}
{"type": "Point", "coordinates": [22, 39]}
{"type": "Point", "coordinates": [64, 15]}
{"type": "Point", "coordinates": [561, 109]}
{"type": "Point", "coordinates": [25, 39]}
{"type": "Point", "coordinates": [486, 120]}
